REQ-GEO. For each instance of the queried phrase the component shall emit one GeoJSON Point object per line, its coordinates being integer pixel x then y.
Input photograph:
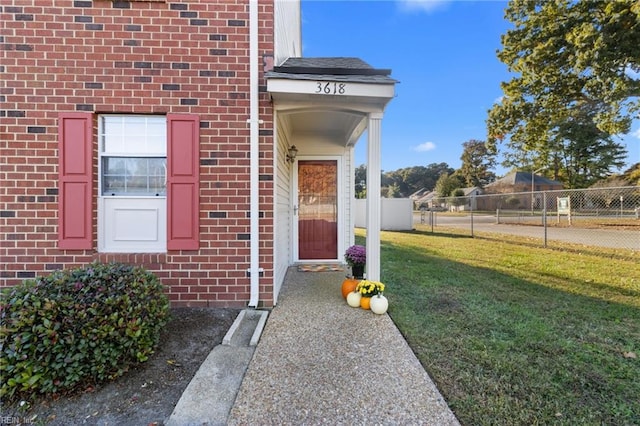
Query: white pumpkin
{"type": "Point", "coordinates": [353, 299]}
{"type": "Point", "coordinates": [379, 304]}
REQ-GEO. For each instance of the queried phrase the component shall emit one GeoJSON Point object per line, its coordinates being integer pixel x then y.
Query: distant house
{"type": "Point", "coordinates": [522, 184]}
{"type": "Point", "coordinates": [429, 200]}
{"type": "Point", "coordinates": [419, 194]}
{"type": "Point", "coordinates": [425, 200]}
{"type": "Point", "coordinates": [416, 196]}
{"type": "Point", "coordinates": [188, 137]}
{"type": "Point", "coordinates": [470, 201]}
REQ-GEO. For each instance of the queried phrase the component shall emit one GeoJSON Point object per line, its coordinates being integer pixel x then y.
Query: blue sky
{"type": "Point", "coordinates": [444, 55]}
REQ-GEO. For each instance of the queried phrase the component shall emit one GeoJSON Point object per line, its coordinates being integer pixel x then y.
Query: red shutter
{"type": "Point", "coordinates": [75, 136]}
{"type": "Point", "coordinates": [183, 191]}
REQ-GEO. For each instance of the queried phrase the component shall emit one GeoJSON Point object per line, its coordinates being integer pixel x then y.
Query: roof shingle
{"type": "Point", "coordinates": [332, 69]}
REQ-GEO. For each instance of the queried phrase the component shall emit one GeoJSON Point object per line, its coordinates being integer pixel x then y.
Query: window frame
{"type": "Point", "coordinates": [103, 154]}
{"type": "Point", "coordinates": [109, 204]}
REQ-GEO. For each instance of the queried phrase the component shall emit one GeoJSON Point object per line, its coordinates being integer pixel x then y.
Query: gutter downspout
{"type": "Point", "coordinates": [254, 170]}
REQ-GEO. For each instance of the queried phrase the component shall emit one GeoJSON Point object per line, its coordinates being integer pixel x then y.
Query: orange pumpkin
{"type": "Point", "coordinates": [349, 285]}
{"type": "Point", "coordinates": [365, 303]}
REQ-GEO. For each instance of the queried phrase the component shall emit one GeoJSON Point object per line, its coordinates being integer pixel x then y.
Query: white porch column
{"type": "Point", "coordinates": [373, 196]}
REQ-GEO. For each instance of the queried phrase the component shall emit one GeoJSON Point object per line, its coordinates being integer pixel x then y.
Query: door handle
{"type": "Point", "coordinates": [295, 210]}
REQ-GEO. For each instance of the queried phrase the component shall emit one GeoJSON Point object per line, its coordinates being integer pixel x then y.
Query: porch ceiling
{"type": "Point", "coordinates": [343, 127]}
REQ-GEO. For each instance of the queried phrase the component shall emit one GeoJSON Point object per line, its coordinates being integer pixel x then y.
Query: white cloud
{"type": "Point", "coordinates": [636, 133]}
{"type": "Point", "coordinates": [424, 147]}
{"type": "Point", "coordinates": [422, 5]}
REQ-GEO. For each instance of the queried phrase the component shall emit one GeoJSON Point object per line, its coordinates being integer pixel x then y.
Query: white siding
{"type": "Point", "coordinates": [288, 35]}
{"type": "Point", "coordinates": [283, 235]}
{"type": "Point", "coordinates": [349, 196]}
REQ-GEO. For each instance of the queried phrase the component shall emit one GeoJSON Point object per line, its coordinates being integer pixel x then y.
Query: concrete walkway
{"type": "Point", "coordinates": [320, 361]}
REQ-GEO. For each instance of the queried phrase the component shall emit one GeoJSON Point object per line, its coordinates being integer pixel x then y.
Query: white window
{"type": "Point", "coordinates": [132, 188]}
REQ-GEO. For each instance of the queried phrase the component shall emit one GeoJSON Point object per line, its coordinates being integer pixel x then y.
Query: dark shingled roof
{"type": "Point", "coordinates": [331, 69]}
{"type": "Point", "coordinates": [517, 178]}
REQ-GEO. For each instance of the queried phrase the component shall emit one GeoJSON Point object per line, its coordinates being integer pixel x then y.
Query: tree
{"type": "Point", "coordinates": [632, 175]}
{"type": "Point", "coordinates": [393, 191]}
{"type": "Point", "coordinates": [393, 182]}
{"type": "Point", "coordinates": [581, 154]}
{"type": "Point", "coordinates": [608, 191]}
{"type": "Point", "coordinates": [446, 184]}
{"type": "Point", "coordinates": [402, 182]}
{"type": "Point", "coordinates": [420, 177]}
{"type": "Point", "coordinates": [360, 188]}
{"type": "Point", "coordinates": [457, 198]}
{"type": "Point", "coordinates": [577, 63]}
{"type": "Point", "coordinates": [476, 162]}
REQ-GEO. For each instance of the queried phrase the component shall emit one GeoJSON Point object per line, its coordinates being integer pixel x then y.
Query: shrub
{"type": "Point", "coordinates": [76, 327]}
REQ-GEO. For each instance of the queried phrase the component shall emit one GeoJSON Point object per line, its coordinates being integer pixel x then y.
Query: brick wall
{"type": "Point", "coordinates": [149, 57]}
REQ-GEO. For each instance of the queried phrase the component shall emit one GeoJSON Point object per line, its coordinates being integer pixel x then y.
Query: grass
{"type": "Point", "coordinates": [578, 221]}
{"type": "Point", "coordinates": [514, 334]}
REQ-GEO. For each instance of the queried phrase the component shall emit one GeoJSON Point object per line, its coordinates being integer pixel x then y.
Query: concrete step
{"type": "Point", "coordinates": [210, 395]}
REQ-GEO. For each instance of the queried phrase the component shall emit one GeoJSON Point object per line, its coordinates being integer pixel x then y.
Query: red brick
{"type": "Point", "coordinates": [51, 79]}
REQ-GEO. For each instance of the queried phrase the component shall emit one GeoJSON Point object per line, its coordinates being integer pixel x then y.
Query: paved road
{"type": "Point", "coordinates": [611, 238]}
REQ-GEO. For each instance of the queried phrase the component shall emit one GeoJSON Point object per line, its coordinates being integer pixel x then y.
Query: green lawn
{"type": "Point", "coordinates": [515, 334]}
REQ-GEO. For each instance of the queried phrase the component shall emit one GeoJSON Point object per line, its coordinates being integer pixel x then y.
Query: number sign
{"type": "Point", "coordinates": [330, 88]}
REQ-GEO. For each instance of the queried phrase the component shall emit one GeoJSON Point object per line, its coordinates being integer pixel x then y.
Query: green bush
{"type": "Point", "coordinates": [78, 327]}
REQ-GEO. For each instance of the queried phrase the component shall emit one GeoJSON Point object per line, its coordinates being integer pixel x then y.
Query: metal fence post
{"type": "Point", "coordinates": [471, 209]}
{"type": "Point", "coordinates": [544, 217]}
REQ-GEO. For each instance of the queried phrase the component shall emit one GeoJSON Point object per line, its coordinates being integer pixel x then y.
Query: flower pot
{"type": "Point", "coordinates": [365, 302]}
{"type": "Point", "coordinates": [348, 285]}
{"type": "Point", "coordinates": [357, 271]}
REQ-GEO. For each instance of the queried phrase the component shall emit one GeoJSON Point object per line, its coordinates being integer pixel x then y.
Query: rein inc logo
{"type": "Point", "coordinates": [18, 420]}
{"type": "Point", "coordinates": [15, 420]}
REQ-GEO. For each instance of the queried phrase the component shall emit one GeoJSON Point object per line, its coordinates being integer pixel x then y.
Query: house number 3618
{"type": "Point", "coordinates": [330, 88]}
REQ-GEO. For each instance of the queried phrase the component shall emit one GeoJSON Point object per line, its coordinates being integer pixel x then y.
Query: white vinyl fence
{"type": "Point", "coordinates": [396, 214]}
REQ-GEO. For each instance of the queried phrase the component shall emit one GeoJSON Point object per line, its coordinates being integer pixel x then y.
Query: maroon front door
{"type": "Point", "coordinates": [317, 209]}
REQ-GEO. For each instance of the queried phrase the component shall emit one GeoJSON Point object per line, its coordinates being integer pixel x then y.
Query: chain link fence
{"type": "Point", "coordinates": [599, 217]}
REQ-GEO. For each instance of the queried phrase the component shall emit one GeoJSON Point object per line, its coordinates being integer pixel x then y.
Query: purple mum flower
{"type": "Point", "coordinates": [356, 255]}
